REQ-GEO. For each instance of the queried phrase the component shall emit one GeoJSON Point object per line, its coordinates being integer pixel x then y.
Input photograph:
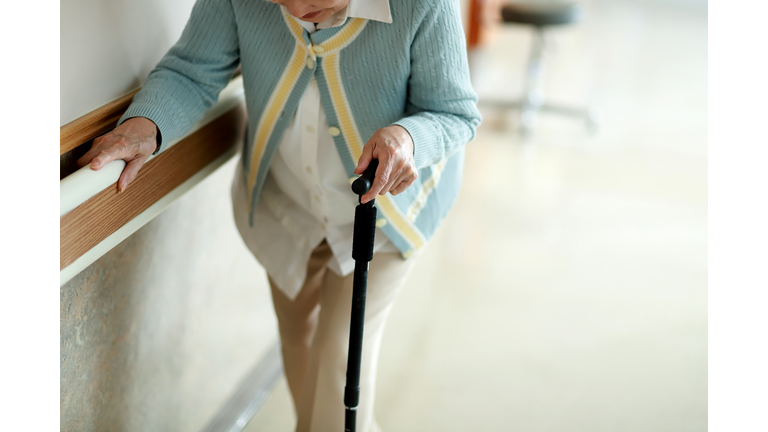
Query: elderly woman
{"type": "Point", "coordinates": [330, 85]}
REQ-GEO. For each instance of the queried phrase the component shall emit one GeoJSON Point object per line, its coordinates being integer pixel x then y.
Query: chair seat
{"type": "Point", "coordinates": [541, 14]}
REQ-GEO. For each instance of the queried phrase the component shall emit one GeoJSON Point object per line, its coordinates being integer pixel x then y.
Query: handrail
{"type": "Point", "coordinates": [95, 218]}
{"type": "Point", "coordinates": [85, 183]}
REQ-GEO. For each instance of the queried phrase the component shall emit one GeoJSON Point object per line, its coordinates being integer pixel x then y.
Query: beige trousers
{"type": "Point", "coordinates": [314, 331]}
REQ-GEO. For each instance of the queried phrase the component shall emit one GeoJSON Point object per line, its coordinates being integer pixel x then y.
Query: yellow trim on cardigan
{"type": "Point", "coordinates": [335, 43]}
{"type": "Point", "coordinates": [331, 68]}
{"type": "Point", "coordinates": [343, 38]}
{"type": "Point", "coordinates": [297, 31]}
{"type": "Point", "coordinates": [285, 86]}
{"type": "Point", "coordinates": [354, 142]}
{"type": "Point", "coordinates": [387, 205]}
{"type": "Point", "coordinates": [341, 106]}
{"type": "Point", "coordinates": [426, 190]}
{"type": "Point", "coordinates": [271, 113]}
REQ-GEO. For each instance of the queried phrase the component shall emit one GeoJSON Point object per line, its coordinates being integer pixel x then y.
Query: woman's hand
{"type": "Point", "coordinates": [393, 147]}
{"type": "Point", "coordinates": [134, 141]}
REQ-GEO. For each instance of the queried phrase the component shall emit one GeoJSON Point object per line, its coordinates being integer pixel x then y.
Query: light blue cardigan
{"type": "Point", "coordinates": [412, 72]}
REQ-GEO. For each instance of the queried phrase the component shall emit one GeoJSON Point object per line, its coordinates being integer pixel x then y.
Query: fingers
{"type": "Point", "coordinates": [105, 149]}
{"type": "Point", "coordinates": [118, 150]}
{"type": "Point", "coordinates": [399, 188]}
{"type": "Point", "coordinates": [404, 183]}
{"type": "Point", "coordinates": [382, 178]}
{"type": "Point", "coordinates": [396, 171]}
{"type": "Point", "coordinates": [136, 137]}
{"type": "Point", "coordinates": [364, 160]}
{"type": "Point", "coordinates": [96, 148]}
{"type": "Point", "coordinates": [393, 173]}
{"type": "Point", "coordinates": [130, 172]}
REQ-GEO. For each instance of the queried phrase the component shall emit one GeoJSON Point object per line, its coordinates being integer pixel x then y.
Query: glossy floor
{"type": "Point", "coordinates": [567, 289]}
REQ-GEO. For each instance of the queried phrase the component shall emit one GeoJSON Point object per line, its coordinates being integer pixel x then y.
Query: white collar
{"type": "Point", "coordinates": [377, 10]}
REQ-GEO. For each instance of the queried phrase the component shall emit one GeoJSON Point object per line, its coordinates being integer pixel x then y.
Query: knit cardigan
{"type": "Point", "coordinates": [412, 72]}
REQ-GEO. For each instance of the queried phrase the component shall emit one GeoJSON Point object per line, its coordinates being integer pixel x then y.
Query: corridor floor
{"type": "Point", "coordinates": [567, 290]}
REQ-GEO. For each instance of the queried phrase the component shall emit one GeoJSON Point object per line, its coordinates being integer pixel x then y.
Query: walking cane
{"type": "Point", "coordinates": [362, 253]}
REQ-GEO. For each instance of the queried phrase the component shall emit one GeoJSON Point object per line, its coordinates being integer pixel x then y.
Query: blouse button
{"type": "Point", "coordinates": [334, 131]}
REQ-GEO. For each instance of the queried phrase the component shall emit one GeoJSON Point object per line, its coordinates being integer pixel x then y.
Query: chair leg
{"type": "Point", "coordinates": [533, 97]}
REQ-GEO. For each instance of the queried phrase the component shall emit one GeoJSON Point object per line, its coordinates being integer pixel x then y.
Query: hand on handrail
{"type": "Point", "coordinates": [133, 141]}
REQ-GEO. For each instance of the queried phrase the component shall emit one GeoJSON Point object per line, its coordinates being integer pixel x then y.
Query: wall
{"type": "Point", "coordinates": [109, 47]}
{"type": "Point", "coordinates": [156, 334]}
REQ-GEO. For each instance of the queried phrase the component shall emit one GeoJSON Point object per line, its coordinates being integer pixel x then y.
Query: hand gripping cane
{"type": "Point", "coordinates": [362, 253]}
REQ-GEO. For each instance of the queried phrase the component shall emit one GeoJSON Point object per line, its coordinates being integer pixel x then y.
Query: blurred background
{"type": "Point", "coordinates": [566, 291]}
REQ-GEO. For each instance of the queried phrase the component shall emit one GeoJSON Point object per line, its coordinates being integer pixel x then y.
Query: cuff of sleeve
{"type": "Point", "coordinates": [426, 142]}
{"type": "Point", "coordinates": [157, 111]}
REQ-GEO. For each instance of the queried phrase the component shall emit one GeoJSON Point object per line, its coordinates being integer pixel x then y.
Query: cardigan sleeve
{"type": "Point", "coordinates": [441, 109]}
{"type": "Point", "coordinates": [189, 78]}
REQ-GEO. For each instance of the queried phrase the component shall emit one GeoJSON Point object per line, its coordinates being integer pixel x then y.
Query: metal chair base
{"type": "Point", "coordinates": [592, 116]}
{"type": "Point", "coordinates": [534, 101]}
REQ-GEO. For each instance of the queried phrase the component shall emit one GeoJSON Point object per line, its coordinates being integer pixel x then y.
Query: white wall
{"type": "Point", "coordinates": [157, 333]}
{"type": "Point", "coordinates": [109, 47]}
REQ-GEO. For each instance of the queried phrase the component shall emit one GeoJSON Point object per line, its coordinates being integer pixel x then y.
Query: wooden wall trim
{"type": "Point", "coordinates": [99, 121]}
{"type": "Point", "coordinates": [93, 124]}
{"type": "Point", "coordinates": [100, 216]}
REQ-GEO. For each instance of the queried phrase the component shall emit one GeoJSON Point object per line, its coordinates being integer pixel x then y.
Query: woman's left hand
{"type": "Point", "coordinates": [393, 147]}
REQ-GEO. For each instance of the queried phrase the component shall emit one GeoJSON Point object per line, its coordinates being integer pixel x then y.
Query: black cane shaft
{"type": "Point", "coordinates": [362, 252]}
{"type": "Point", "coordinates": [350, 419]}
{"type": "Point", "coordinates": [355, 354]}
{"type": "Point", "coordinates": [356, 330]}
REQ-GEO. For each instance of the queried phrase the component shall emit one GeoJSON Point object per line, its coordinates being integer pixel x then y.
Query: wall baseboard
{"type": "Point", "coordinates": [250, 396]}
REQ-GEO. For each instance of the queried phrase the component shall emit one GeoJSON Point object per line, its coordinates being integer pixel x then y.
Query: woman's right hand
{"type": "Point", "coordinates": [133, 141]}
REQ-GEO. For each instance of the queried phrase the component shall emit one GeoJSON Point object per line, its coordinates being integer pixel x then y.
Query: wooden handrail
{"type": "Point", "coordinates": [99, 217]}
{"type": "Point", "coordinates": [89, 227]}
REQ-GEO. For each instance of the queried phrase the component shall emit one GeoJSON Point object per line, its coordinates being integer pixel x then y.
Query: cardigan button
{"type": "Point", "coordinates": [310, 63]}
{"type": "Point", "coordinates": [334, 131]}
{"type": "Point", "coordinates": [317, 48]}
{"type": "Point", "coordinates": [408, 254]}
{"type": "Point", "coordinates": [381, 222]}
